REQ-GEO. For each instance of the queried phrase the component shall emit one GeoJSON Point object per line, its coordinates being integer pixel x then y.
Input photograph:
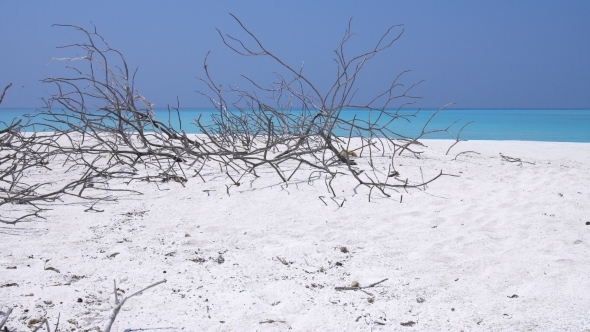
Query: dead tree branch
{"type": "Point", "coordinates": [104, 134]}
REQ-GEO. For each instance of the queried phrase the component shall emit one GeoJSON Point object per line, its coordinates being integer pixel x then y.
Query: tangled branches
{"type": "Point", "coordinates": [20, 153]}
{"type": "Point", "coordinates": [99, 128]}
{"type": "Point", "coordinates": [305, 126]}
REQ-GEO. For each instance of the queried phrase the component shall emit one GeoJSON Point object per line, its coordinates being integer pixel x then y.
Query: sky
{"type": "Point", "coordinates": [527, 54]}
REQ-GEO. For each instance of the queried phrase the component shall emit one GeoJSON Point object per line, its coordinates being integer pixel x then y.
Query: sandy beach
{"type": "Point", "coordinates": [498, 246]}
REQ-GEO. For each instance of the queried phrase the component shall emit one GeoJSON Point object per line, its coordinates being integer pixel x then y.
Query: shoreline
{"type": "Point", "coordinates": [422, 139]}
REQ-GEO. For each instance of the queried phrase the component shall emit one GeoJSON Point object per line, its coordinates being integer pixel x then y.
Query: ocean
{"type": "Point", "coordinates": [521, 125]}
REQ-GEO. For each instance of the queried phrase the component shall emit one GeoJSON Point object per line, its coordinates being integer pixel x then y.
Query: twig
{"type": "Point", "coordinates": [457, 138]}
{"type": "Point", "coordinates": [49, 268]}
{"type": "Point", "coordinates": [339, 204]}
{"type": "Point", "coordinates": [8, 312]}
{"type": "Point", "coordinates": [282, 260]}
{"type": "Point", "coordinates": [360, 288]}
{"type": "Point", "coordinates": [118, 306]}
{"type": "Point", "coordinates": [56, 324]}
{"type": "Point", "coordinates": [460, 153]}
{"type": "Point", "coordinates": [4, 92]}
{"type": "Point", "coordinates": [422, 174]}
{"type": "Point", "coordinates": [514, 160]}
{"type": "Point", "coordinates": [270, 321]}
{"type": "Point", "coordinates": [115, 291]}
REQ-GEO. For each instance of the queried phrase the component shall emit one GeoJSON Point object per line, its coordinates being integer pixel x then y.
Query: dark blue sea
{"type": "Point", "coordinates": [522, 125]}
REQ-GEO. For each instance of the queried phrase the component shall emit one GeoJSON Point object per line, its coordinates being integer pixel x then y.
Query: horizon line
{"type": "Point", "coordinates": [203, 108]}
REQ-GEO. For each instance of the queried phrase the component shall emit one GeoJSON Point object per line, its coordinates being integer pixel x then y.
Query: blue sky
{"type": "Point", "coordinates": [479, 54]}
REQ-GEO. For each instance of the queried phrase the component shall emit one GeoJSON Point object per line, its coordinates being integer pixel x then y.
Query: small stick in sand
{"type": "Point", "coordinates": [270, 321]}
{"type": "Point", "coordinates": [360, 288]}
{"type": "Point", "coordinates": [5, 315]}
{"type": "Point", "coordinates": [339, 204]}
{"type": "Point", "coordinates": [514, 160]}
{"type": "Point", "coordinates": [464, 152]}
{"type": "Point", "coordinates": [119, 305]}
{"type": "Point", "coordinates": [284, 261]}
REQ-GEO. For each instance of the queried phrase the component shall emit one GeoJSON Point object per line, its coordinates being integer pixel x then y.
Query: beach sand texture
{"type": "Point", "coordinates": [500, 247]}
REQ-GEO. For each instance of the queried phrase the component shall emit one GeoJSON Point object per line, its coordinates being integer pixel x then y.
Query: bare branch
{"type": "Point", "coordinates": [119, 305]}
{"type": "Point", "coordinates": [4, 92]}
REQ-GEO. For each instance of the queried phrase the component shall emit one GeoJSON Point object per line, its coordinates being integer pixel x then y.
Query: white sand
{"type": "Point", "coordinates": [454, 255]}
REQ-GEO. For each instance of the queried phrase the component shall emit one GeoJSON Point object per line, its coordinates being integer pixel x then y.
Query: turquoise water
{"type": "Point", "coordinates": [524, 125]}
